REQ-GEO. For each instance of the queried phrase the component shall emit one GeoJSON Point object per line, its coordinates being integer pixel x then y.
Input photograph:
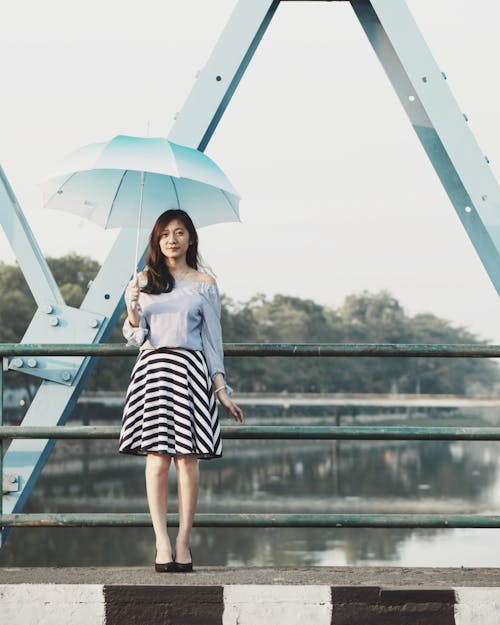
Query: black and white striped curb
{"type": "Point", "coordinates": [98, 604]}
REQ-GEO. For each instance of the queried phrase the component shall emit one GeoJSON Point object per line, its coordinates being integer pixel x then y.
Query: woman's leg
{"type": "Point", "coordinates": [157, 466]}
{"type": "Point", "coordinates": [188, 480]}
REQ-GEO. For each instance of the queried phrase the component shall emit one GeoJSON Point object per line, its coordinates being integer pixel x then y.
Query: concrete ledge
{"type": "Point", "coordinates": [221, 596]}
{"type": "Point", "coordinates": [52, 604]}
{"type": "Point", "coordinates": [392, 576]}
{"type": "Point", "coordinates": [155, 605]}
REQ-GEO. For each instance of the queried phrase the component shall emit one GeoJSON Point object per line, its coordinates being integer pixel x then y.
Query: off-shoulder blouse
{"type": "Point", "coordinates": [188, 316]}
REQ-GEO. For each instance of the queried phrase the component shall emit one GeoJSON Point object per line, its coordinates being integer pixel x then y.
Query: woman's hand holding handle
{"type": "Point", "coordinates": [131, 298]}
{"type": "Point", "coordinates": [135, 286]}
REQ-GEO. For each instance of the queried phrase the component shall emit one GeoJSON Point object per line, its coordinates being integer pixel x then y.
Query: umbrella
{"type": "Point", "coordinates": [129, 181]}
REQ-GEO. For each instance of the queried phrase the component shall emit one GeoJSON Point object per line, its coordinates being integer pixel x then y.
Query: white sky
{"type": "Point", "coordinates": [337, 193]}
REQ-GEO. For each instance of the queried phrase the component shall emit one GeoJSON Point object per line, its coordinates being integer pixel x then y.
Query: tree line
{"type": "Point", "coordinates": [362, 318]}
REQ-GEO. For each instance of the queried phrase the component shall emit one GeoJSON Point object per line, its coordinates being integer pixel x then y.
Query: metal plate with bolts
{"type": "Point", "coordinates": [10, 483]}
{"type": "Point", "coordinates": [57, 323]}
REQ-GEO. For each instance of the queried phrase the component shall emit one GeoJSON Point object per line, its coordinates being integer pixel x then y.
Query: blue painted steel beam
{"type": "Point", "coordinates": [431, 108]}
{"type": "Point", "coordinates": [195, 125]}
{"type": "Point", "coordinates": [54, 402]}
{"type": "Point", "coordinates": [24, 245]}
{"type": "Point", "coordinates": [218, 80]}
{"type": "Point", "coordinates": [439, 123]}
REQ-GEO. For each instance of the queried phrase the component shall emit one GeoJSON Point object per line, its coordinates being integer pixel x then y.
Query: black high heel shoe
{"type": "Point", "coordinates": [184, 567]}
{"type": "Point", "coordinates": [165, 567]}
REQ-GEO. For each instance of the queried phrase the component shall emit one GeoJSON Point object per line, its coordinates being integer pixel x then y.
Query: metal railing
{"type": "Point", "coordinates": [262, 432]}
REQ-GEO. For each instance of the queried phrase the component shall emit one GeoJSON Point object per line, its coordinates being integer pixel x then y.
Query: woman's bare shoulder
{"type": "Point", "coordinates": [201, 276]}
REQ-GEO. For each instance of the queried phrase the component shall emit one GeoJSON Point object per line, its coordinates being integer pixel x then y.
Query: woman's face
{"type": "Point", "coordinates": [174, 240]}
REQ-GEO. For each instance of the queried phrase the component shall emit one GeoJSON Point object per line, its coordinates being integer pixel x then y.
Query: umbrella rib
{"type": "Point", "coordinates": [60, 187]}
{"type": "Point", "coordinates": [224, 193]}
{"type": "Point", "coordinates": [115, 195]}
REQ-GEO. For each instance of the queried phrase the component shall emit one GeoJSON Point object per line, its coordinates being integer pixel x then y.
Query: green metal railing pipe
{"type": "Point", "coordinates": [255, 520]}
{"type": "Point", "coordinates": [271, 349]}
{"type": "Point", "coordinates": [263, 432]}
{"type": "Point", "coordinates": [273, 432]}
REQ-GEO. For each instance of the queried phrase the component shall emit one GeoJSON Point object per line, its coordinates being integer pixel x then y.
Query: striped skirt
{"type": "Point", "coordinates": [170, 406]}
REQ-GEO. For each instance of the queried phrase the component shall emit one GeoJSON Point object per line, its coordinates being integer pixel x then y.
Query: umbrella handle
{"type": "Point", "coordinates": [133, 304]}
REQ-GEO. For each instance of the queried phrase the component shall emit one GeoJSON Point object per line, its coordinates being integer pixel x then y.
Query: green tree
{"type": "Point", "coordinates": [239, 326]}
{"type": "Point", "coordinates": [364, 317]}
{"type": "Point", "coordinates": [447, 375]}
{"type": "Point", "coordinates": [375, 318]}
{"type": "Point", "coordinates": [17, 305]}
{"type": "Point", "coordinates": [73, 274]}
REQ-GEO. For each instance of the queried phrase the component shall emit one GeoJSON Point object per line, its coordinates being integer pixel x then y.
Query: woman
{"type": "Point", "coordinates": [170, 409]}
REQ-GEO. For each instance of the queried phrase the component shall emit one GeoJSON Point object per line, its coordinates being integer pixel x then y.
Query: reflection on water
{"type": "Point", "coordinates": [272, 476]}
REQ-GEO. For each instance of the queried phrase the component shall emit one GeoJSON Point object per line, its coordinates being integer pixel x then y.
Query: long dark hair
{"type": "Point", "coordinates": [160, 280]}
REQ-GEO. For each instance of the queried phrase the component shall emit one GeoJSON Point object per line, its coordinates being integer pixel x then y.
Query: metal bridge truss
{"type": "Point", "coordinates": [433, 112]}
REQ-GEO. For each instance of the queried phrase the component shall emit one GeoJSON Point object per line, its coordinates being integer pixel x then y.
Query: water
{"type": "Point", "coordinates": [272, 476]}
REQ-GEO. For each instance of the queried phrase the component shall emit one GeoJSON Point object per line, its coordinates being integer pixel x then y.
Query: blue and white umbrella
{"type": "Point", "coordinates": [130, 181]}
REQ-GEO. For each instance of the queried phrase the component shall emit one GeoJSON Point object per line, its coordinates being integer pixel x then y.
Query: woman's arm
{"type": "Point", "coordinates": [219, 383]}
{"type": "Point", "coordinates": [211, 335]}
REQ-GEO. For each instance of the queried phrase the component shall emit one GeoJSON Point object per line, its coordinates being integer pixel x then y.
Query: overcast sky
{"type": "Point", "coordinates": [338, 195]}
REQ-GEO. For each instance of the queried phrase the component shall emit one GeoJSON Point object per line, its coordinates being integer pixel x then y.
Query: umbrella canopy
{"type": "Point", "coordinates": [102, 182]}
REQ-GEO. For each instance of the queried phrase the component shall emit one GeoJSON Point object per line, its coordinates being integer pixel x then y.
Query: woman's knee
{"type": "Point", "coordinates": [158, 464]}
{"type": "Point", "coordinates": [186, 463]}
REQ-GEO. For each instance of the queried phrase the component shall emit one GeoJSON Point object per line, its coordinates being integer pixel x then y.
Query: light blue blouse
{"type": "Point", "coordinates": [188, 316]}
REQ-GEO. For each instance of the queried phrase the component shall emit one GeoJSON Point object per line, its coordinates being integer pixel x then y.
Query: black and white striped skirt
{"type": "Point", "coordinates": [170, 406]}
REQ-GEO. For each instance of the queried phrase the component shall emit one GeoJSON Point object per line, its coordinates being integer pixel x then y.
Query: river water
{"type": "Point", "coordinates": [277, 476]}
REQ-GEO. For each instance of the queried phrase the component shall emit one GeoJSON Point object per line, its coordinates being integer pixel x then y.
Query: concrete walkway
{"type": "Point", "coordinates": [221, 576]}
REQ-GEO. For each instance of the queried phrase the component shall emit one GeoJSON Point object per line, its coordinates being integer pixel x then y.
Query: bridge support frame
{"type": "Point", "coordinates": [426, 98]}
